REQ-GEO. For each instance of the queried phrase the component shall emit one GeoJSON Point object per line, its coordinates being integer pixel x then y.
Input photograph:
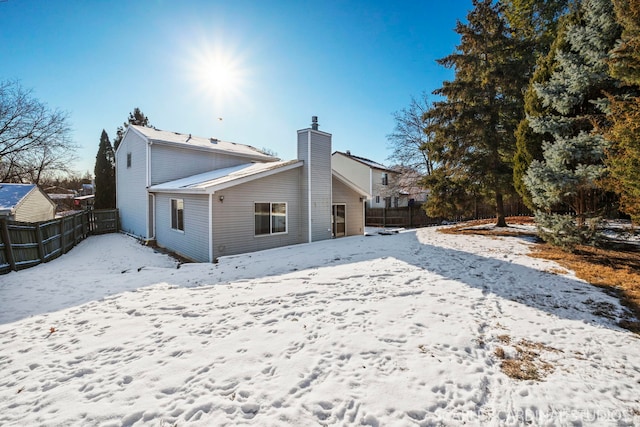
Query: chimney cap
{"type": "Point", "coordinates": [314, 122]}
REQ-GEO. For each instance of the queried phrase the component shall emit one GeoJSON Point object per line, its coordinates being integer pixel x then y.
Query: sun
{"type": "Point", "coordinates": [219, 73]}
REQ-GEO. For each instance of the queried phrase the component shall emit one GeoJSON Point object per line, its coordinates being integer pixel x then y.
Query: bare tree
{"type": "Point", "coordinates": [35, 140]}
{"type": "Point", "coordinates": [411, 143]}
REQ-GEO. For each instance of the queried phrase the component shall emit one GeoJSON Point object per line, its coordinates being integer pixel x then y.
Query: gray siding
{"type": "Point", "coordinates": [35, 207]}
{"type": "Point", "coordinates": [193, 243]}
{"type": "Point", "coordinates": [131, 191]}
{"type": "Point", "coordinates": [318, 167]}
{"type": "Point", "coordinates": [170, 163]}
{"type": "Point", "coordinates": [354, 207]}
{"type": "Point", "coordinates": [234, 220]}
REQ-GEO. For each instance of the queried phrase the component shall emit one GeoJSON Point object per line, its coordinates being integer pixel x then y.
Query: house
{"type": "Point", "coordinates": [377, 180]}
{"type": "Point", "coordinates": [62, 197]}
{"type": "Point", "coordinates": [25, 203]}
{"type": "Point", "coordinates": [203, 198]}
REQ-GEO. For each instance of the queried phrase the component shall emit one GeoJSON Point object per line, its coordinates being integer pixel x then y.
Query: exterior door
{"type": "Point", "coordinates": [338, 220]}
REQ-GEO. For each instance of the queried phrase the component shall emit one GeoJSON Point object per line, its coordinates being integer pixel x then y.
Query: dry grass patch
{"type": "Point", "coordinates": [476, 227]}
{"type": "Point", "coordinates": [617, 270]}
{"type": "Point", "coordinates": [526, 363]}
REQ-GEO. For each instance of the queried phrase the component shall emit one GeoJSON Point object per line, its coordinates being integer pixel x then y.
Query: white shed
{"type": "Point", "coordinates": [25, 203]}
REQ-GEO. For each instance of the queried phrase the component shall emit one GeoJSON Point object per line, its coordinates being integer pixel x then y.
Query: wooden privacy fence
{"type": "Point", "coordinates": [415, 216]}
{"type": "Point", "coordinates": [24, 244]}
{"type": "Point", "coordinates": [409, 216]}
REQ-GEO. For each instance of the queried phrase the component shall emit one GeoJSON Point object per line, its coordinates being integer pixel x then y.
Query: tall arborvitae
{"type": "Point", "coordinates": [569, 176]}
{"type": "Point", "coordinates": [105, 175]}
{"type": "Point", "coordinates": [136, 117]}
{"type": "Point", "coordinates": [483, 106]}
{"type": "Point", "coordinates": [623, 158]}
{"type": "Point", "coordinates": [535, 22]}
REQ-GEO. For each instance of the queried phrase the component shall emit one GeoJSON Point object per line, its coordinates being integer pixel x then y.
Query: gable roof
{"type": "Point", "coordinates": [157, 136]}
{"type": "Point", "coordinates": [12, 194]}
{"type": "Point", "coordinates": [219, 179]}
{"type": "Point", "coordinates": [370, 163]}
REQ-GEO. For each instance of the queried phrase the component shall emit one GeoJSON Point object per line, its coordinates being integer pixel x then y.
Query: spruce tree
{"type": "Point", "coordinates": [623, 158]}
{"type": "Point", "coordinates": [105, 175]}
{"type": "Point", "coordinates": [536, 23]}
{"type": "Point", "coordinates": [136, 117]}
{"type": "Point", "coordinates": [569, 176]}
{"type": "Point", "coordinates": [483, 106]}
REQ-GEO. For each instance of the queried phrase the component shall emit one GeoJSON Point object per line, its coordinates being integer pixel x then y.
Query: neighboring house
{"type": "Point", "coordinates": [203, 198]}
{"type": "Point", "coordinates": [25, 203]}
{"type": "Point", "coordinates": [411, 192]}
{"type": "Point", "coordinates": [377, 180]}
{"type": "Point", "coordinates": [62, 197]}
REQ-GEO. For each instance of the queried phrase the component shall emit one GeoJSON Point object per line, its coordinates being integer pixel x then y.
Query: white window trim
{"type": "Point", "coordinates": [286, 219]}
{"type": "Point", "coordinates": [177, 230]}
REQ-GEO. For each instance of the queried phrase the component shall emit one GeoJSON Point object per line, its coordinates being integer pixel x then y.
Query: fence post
{"type": "Point", "coordinates": [8, 249]}
{"type": "Point", "coordinates": [40, 240]}
{"type": "Point", "coordinates": [63, 245]}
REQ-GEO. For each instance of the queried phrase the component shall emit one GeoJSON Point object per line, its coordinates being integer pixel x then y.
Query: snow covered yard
{"type": "Point", "coordinates": [415, 328]}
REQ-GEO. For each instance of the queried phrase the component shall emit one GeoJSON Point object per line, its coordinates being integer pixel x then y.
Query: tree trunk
{"type": "Point", "coordinates": [500, 218]}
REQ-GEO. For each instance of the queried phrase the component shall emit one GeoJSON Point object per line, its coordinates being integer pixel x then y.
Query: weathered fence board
{"type": "Point", "coordinates": [23, 245]}
{"type": "Point", "coordinates": [416, 216]}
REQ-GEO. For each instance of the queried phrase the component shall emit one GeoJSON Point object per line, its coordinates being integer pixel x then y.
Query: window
{"type": "Point", "coordinates": [128, 160]}
{"type": "Point", "coordinates": [177, 214]}
{"type": "Point", "coordinates": [270, 218]}
{"type": "Point", "coordinates": [377, 199]}
{"type": "Point", "coordinates": [385, 179]}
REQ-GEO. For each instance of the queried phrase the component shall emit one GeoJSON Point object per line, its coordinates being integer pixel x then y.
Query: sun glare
{"type": "Point", "coordinates": [218, 73]}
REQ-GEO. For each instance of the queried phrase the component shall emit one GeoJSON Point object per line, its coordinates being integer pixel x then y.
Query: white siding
{"type": "Point", "coordinates": [193, 242]}
{"type": "Point", "coordinates": [131, 191]}
{"type": "Point", "coordinates": [35, 207]}
{"type": "Point", "coordinates": [170, 163]}
{"type": "Point", "coordinates": [353, 170]}
{"type": "Point", "coordinates": [354, 208]}
{"type": "Point", "coordinates": [234, 221]}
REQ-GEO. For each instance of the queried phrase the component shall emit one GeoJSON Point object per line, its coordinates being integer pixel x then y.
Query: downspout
{"type": "Point", "coordinates": [150, 227]}
{"type": "Point", "coordinates": [364, 215]}
{"type": "Point", "coordinates": [153, 215]}
{"type": "Point", "coordinates": [211, 227]}
{"type": "Point", "coordinates": [309, 182]}
{"type": "Point", "coordinates": [371, 183]}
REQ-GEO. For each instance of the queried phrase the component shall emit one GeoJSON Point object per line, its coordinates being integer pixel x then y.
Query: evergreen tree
{"type": "Point", "coordinates": [483, 106]}
{"type": "Point", "coordinates": [569, 175]}
{"type": "Point", "coordinates": [536, 23]}
{"type": "Point", "coordinates": [105, 175]}
{"type": "Point", "coordinates": [136, 117]}
{"type": "Point", "coordinates": [623, 158]}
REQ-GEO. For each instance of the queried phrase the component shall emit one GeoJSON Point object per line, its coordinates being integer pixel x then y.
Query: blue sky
{"type": "Point", "coordinates": [263, 67]}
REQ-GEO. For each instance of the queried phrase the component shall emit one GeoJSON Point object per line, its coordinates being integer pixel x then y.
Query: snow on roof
{"type": "Point", "coordinates": [367, 162]}
{"type": "Point", "coordinates": [224, 178]}
{"type": "Point", "coordinates": [213, 144]}
{"type": "Point", "coordinates": [11, 194]}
